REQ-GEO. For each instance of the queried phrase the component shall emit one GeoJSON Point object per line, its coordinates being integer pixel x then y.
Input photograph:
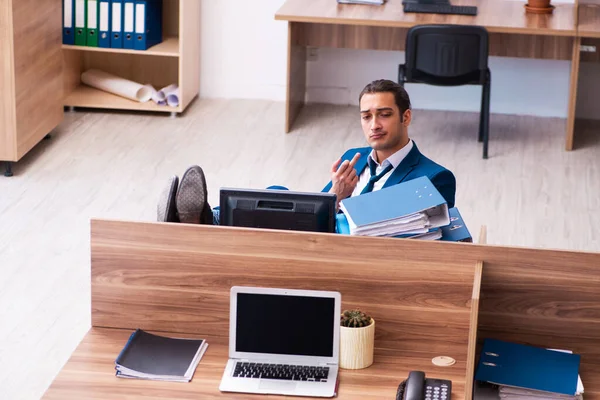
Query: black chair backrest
{"type": "Point", "coordinates": [449, 52]}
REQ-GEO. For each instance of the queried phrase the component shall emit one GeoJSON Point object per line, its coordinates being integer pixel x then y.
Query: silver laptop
{"type": "Point", "coordinates": [283, 341]}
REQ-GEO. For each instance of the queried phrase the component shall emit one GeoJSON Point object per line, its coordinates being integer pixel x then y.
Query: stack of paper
{"type": "Point", "coordinates": [526, 372]}
{"type": "Point", "coordinates": [410, 208]}
{"type": "Point", "coordinates": [147, 356]}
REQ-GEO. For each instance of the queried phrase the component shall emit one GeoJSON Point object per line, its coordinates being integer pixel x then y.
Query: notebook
{"type": "Point", "coordinates": [148, 356]}
{"type": "Point", "coordinates": [275, 349]}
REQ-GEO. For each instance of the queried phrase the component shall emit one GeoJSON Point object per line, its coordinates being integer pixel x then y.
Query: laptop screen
{"type": "Point", "coordinates": [289, 325]}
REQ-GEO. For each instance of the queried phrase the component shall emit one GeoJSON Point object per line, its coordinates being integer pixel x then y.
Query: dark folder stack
{"type": "Point", "coordinates": [148, 356]}
{"type": "Point", "coordinates": [525, 372]}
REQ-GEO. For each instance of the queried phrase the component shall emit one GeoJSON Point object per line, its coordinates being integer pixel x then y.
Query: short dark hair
{"type": "Point", "coordinates": [387, 86]}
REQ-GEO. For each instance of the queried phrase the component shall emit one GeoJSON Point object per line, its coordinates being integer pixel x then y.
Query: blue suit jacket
{"type": "Point", "coordinates": [413, 166]}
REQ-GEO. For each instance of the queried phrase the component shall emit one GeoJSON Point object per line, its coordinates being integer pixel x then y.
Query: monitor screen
{"type": "Point", "coordinates": [278, 209]}
{"type": "Point", "coordinates": [277, 324]}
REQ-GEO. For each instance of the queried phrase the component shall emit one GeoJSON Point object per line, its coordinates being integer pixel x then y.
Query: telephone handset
{"type": "Point", "coordinates": [417, 387]}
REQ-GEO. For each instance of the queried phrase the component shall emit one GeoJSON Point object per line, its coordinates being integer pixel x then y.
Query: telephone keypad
{"type": "Point", "coordinates": [437, 389]}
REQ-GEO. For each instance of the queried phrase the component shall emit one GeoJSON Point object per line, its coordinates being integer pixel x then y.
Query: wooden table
{"type": "Point", "coordinates": [513, 33]}
{"type": "Point", "coordinates": [90, 374]}
{"type": "Point", "coordinates": [429, 298]}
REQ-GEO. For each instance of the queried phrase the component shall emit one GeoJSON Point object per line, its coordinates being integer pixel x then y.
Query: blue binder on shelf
{"type": "Point", "coordinates": [528, 367]}
{"type": "Point", "coordinates": [148, 23]}
{"type": "Point", "coordinates": [128, 24]}
{"type": "Point", "coordinates": [116, 25]}
{"type": "Point", "coordinates": [69, 22]}
{"type": "Point", "coordinates": [457, 230]}
{"type": "Point", "coordinates": [104, 21]}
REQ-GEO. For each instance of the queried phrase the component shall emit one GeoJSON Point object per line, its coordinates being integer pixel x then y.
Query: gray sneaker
{"type": "Point", "coordinates": [191, 196]}
{"type": "Point", "coordinates": [166, 210]}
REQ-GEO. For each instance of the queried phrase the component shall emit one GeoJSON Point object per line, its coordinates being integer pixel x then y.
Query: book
{"type": "Point", "coordinates": [148, 356]}
{"type": "Point", "coordinates": [408, 208]}
{"type": "Point", "coordinates": [522, 370]}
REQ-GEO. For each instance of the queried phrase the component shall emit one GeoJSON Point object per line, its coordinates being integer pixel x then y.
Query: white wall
{"type": "Point", "coordinates": [244, 55]}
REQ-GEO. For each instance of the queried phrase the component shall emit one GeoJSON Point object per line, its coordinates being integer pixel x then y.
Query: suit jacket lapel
{"type": "Point", "coordinates": [406, 166]}
{"type": "Point", "coordinates": [361, 164]}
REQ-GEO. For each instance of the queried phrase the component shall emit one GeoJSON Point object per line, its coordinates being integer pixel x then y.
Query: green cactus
{"type": "Point", "coordinates": [355, 319]}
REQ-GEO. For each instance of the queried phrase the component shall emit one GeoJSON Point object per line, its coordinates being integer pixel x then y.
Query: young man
{"type": "Point", "coordinates": [392, 157]}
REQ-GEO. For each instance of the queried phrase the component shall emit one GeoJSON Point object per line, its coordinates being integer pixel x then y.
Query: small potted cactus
{"type": "Point", "coordinates": [357, 340]}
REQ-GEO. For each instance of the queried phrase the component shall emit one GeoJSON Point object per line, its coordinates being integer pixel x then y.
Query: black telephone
{"type": "Point", "coordinates": [417, 387]}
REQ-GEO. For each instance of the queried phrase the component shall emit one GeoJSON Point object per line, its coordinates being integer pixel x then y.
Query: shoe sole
{"type": "Point", "coordinates": [166, 210]}
{"type": "Point", "coordinates": [191, 196]}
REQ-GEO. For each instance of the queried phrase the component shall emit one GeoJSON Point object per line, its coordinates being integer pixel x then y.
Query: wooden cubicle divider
{"type": "Point", "coordinates": [429, 298]}
{"type": "Point", "coordinates": [177, 278]}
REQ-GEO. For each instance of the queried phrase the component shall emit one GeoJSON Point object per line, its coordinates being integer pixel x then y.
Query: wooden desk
{"type": "Point", "coordinates": [513, 33]}
{"type": "Point", "coordinates": [90, 374]}
{"type": "Point", "coordinates": [176, 278]}
{"type": "Point", "coordinates": [429, 298]}
{"type": "Point", "coordinates": [589, 21]}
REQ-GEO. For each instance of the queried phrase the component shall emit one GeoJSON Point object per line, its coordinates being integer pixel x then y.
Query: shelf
{"type": "Point", "coordinates": [85, 96]}
{"type": "Point", "coordinates": [168, 48]}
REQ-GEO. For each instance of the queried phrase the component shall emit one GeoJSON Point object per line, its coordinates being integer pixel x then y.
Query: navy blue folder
{"type": "Point", "coordinates": [457, 231]}
{"type": "Point", "coordinates": [128, 24]}
{"type": "Point", "coordinates": [69, 22]}
{"type": "Point", "coordinates": [116, 25]}
{"type": "Point", "coordinates": [148, 26]}
{"type": "Point", "coordinates": [522, 366]}
{"type": "Point", "coordinates": [104, 19]}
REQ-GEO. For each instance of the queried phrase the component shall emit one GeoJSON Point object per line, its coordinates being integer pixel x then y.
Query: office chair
{"type": "Point", "coordinates": [450, 55]}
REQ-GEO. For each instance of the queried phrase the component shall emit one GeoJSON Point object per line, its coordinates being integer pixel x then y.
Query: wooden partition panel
{"type": "Point", "coordinates": [177, 278]}
{"type": "Point", "coordinates": [553, 305]}
{"type": "Point", "coordinates": [394, 39]}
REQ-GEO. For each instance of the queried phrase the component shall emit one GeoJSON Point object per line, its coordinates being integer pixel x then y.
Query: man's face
{"type": "Point", "coordinates": [381, 121]}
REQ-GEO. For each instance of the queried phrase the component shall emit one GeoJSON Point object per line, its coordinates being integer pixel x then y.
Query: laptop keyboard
{"type": "Point", "coordinates": [281, 371]}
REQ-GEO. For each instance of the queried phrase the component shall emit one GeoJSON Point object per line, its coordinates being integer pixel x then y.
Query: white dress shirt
{"type": "Point", "coordinates": [395, 159]}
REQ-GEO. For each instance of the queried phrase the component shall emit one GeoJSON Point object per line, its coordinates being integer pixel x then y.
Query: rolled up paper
{"type": "Point", "coordinates": [116, 85]}
{"type": "Point", "coordinates": [167, 90]}
{"type": "Point", "coordinates": [157, 96]}
{"type": "Point", "coordinates": [173, 98]}
{"type": "Point", "coordinates": [171, 94]}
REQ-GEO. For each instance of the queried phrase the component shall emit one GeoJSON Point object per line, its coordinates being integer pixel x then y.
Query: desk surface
{"type": "Point", "coordinates": [90, 374]}
{"type": "Point", "coordinates": [503, 16]}
{"type": "Point", "coordinates": [589, 20]}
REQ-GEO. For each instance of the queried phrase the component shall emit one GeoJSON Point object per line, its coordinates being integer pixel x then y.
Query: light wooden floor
{"type": "Point", "coordinates": [530, 192]}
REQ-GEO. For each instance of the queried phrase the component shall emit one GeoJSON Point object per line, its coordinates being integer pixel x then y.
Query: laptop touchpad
{"type": "Point", "coordinates": [268, 384]}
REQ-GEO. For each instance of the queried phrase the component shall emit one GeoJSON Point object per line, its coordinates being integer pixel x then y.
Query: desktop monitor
{"type": "Point", "coordinates": [278, 209]}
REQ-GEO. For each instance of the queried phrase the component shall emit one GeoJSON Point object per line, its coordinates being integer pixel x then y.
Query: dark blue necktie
{"type": "Point", "coordinates": [374, 178]}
